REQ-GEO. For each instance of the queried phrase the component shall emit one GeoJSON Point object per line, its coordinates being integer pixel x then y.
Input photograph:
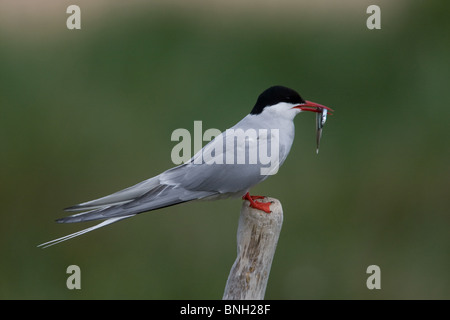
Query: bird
{"type": "Point", "coordinates": [270, 124]}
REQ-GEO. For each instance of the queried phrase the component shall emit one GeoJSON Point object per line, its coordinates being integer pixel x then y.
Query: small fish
{"type": "Point", "coordinates": [321, 118]}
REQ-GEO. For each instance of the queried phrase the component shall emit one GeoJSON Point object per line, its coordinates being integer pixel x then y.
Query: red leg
{"type": "Point", "coordinates": [263, 206]}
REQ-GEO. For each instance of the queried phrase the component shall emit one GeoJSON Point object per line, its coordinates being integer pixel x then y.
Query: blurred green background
{"type": "Point", "coordinates": [84, 113]}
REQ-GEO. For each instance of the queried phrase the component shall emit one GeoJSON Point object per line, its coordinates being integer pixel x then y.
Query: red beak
{"type": "Point", "coordinates": [312, 106]}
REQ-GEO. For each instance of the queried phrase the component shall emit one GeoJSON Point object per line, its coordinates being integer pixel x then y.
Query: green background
{"type": "Point", "coordinates": [84, 113]}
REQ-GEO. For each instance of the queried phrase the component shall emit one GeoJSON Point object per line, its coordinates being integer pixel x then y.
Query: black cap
{"type": "Point", "coordinates": [274, 95]}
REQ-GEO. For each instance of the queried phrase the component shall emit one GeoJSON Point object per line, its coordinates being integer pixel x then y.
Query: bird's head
{"type": "Point", "coordinates": [279, 101]}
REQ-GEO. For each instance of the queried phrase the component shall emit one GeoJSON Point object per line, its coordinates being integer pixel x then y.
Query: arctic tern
{"type": "Point", "coordinates": [271, 121]}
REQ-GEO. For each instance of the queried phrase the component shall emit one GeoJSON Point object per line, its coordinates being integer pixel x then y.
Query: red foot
{"type": "Point", "coordinates": [263, 206]}
{"type": "Point", "coordinates": [257, 197]}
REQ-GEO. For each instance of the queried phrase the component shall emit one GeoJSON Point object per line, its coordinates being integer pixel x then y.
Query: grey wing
{"type": "Point", "coordinates": [222, 178]}
{"type": "Point", "coordinates": [155, 193]}
{"type": "Point", "coordinates": [224, 172]}
{"type": "Point", "coordinates": [183, 183]}
{"type": "Point", "coordinates": [120, 197]}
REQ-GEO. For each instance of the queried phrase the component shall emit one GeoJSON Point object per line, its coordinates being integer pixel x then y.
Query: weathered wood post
{"type": "Point", "coordinates": [257, 239]}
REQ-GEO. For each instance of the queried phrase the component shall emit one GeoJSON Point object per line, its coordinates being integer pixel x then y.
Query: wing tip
{"type": "Point", "coordinates": [72, 208]}
{"type": "Point", "coordinates": [65, 220]}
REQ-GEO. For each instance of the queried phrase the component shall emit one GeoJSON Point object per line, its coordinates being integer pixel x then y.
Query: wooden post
{"type": "Point", "coordinates": [257, 238]}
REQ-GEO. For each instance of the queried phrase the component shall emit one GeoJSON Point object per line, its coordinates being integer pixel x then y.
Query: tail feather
{"type": "Point", "coordinates": [145, 196]}
{"type": "Point", "coordinates": [79, 233]}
